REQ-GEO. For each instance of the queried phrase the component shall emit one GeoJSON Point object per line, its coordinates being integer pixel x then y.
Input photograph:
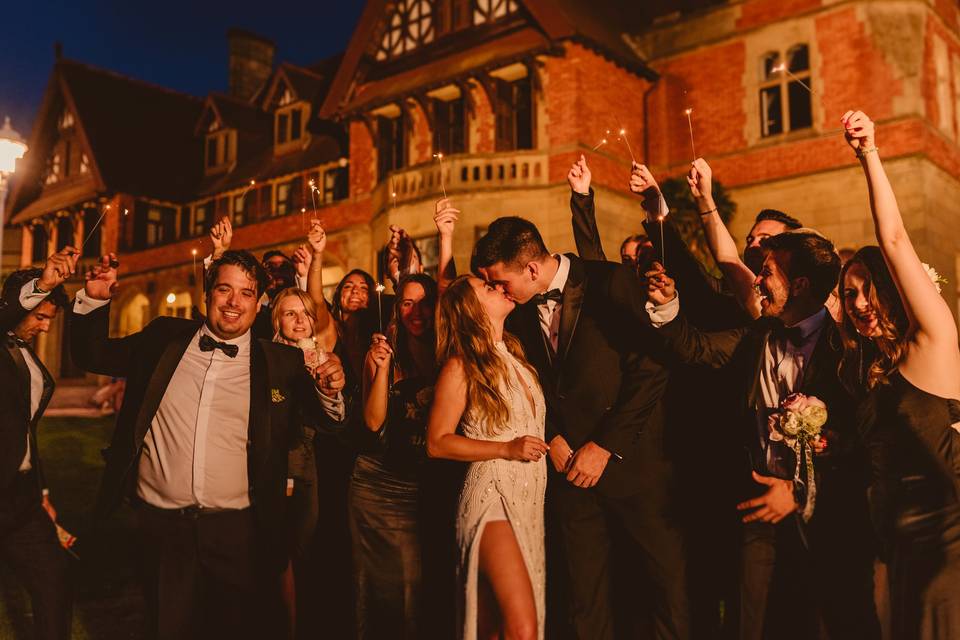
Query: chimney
{"type": "Point", "coordinates": [251, 62]}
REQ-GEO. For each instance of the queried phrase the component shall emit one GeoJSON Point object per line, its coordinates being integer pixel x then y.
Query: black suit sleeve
{"type": "Point", "coordinates": [693, 346]}
{"type": "Point", "coordinates": [312, 411]}
{"type": "Point", "coordinates": [586, 235]}
{"type": "Point", "coordinates": [93, 350]}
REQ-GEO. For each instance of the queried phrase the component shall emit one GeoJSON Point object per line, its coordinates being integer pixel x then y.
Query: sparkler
{"type": "Point", "coordinates": [380, 289]}
{"type": "Point", "coordinates": [252, 184]}
{"type": "Point", "coordinates": [693, 147]}
{"type": "Point", "coordinates": [782, 68]}
{"type": "Point", "coordinates": [439, 157]}
{"type": "Point", "coordinates": [622, 135]}
{"type": "Point", "coordinates": [602, 142]}
{"type": "Point", "coordinates": [193, 253]}
{"type": "Point", "coordinates": [313, 197]}
{"type": "Point", "coordinates": [96, 224]}
{"type": "Point", "coordinates": [393, 193]}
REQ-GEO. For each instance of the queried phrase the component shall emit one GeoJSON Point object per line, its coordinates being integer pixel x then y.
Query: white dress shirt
{"type": "Point", "coordinates": [550, 310]}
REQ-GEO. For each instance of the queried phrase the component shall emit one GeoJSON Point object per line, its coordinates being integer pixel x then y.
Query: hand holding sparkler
{"type": "Point", "coordinates": [859, 132]}
{"type": "Point", "coordinates": [661, 288]}
{"type": "Point", "coordinates": [700, 181]}
{"type": "Point", "coordinates": [101, 281]}
{"type": "Point", "coordinates": [579, 176]}
{"type": "Point", "coordinates": [221, 234]}
{"type": "Point", "coordinates": [445, 217]}
{"type": "Point", "coordinates": [317, 238]}
{"type": "Point", "coordinates": [302, 258]}
{"type": "Point", "coordinates": [58, 268]}
{"type": "Point", "coordinates": [379, 288]}
{"type": "Point", "coordinates": [380, 352]}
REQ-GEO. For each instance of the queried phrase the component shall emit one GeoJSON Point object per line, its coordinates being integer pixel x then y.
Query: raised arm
{"type": "Point", "coordinates": [586, 235]}
{"type": "Point", "coordinates": [446, 218]}
{"type": "Point", "coordinates": [15, 307]}
{"type": "Point", "coordinates": [325, 330]}
{"type": "Point", "coordinates": [721, 243]}
{"type": "Point", "coordinates": [933, 332]}
{"type": "Point", "coordinates": [443, 441]}
{"type": "Point", "coordinates": [376, 383]}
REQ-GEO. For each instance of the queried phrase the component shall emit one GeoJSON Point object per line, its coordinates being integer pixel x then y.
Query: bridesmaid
{"type": "Point", "coordinates": [900, 351]}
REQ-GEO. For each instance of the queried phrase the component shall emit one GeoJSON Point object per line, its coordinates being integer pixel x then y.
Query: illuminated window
{"type": "Point", "coordinates": [785, 104]}
{"type": "Point", "coordinates": [410, 26]}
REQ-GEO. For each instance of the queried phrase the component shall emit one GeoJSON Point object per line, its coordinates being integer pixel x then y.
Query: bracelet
{"type": "Point", "coordinates": [37, 289]}
{"type": "Point", "coordinates": [862, 152]}
{"type": "Point", "coordinates": [706, 213]}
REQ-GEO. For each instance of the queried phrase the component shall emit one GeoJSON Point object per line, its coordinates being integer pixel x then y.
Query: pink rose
{"type": "Point", "coordinates": [795, 402]}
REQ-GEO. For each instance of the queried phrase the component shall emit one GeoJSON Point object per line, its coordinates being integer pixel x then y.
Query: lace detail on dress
{"type": "Point", "coordinates": [518, 486]}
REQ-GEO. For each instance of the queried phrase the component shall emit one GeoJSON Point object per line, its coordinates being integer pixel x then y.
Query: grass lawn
{"type": "Point", "coordinates": [108, 603]}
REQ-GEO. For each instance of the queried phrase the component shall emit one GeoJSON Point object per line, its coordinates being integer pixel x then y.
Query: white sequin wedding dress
{"type": "Point", "coordinates": [504, 490]}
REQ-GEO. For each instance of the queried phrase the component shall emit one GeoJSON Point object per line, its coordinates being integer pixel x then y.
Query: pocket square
{"type": "Point", "coordinates": [276, 396]}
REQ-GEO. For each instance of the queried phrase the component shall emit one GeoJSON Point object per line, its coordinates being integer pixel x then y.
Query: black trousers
{"type": "Point", "coordinates": [28, 542]}
{"type": "Point", "coordinates": [202, 578]}
{"type": "Point", "coordinates": [582, 519]}
{"type": "Point", "coordinates": [788, 591]}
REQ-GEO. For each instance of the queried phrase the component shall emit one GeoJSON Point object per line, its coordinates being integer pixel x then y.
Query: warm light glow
{"type": "Point", "coordinates": [12, 148]}
{"type": "Point", "coordinates": [193, 252]}
{"type": "Point", "coordinates": [379, 288]}
{"type": "Point", "coordinates": [171, 298]}
{"type": "Point", "coordinates": [393, 195]}
{"type": "Point", "coordinates": [623, 132]}
{"type": "Point", "coordinates": [126, 211]}
{"type": "Point", "coordinates": [253, 182]}
{"type": "Point", "coordinates": [303, 209]}
{"type": "Point", "coordinates": [778, 68]}
{"type": "Point", "coordinates": [310, 183]}
{"type": "Point", "coordinates": [438, 156]}
{"type": "Point", "coordinates": [688, 111]}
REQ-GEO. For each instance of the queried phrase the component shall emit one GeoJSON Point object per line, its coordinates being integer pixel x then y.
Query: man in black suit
{"type": "Point", "coordinates": [201, 447]}
{"type": "Point", "coordinates": [796, 567]}
{"type": "Point", "coordinates": [584, 327]}
{"type": "Point", "coordinates": [30, 300]}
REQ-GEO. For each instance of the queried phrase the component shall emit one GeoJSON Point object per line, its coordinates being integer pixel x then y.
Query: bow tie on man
{"type": "Point", "coordinates": [785, 334]}
{"type": "Point", "coordinates": [209, 344]}
{"type": "Point", "coordinates": [543, 298]}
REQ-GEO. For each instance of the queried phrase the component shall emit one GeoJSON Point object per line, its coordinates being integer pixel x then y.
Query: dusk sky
{"type": "Point", "coordinates": [177, 43]}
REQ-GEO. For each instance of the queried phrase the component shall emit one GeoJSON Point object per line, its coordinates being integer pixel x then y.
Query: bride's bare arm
{"type": "Point", "coordinates": [443, 441]}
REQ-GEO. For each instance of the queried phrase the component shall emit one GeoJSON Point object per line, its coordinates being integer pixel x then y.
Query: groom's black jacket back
{"type": "Point", "coordinates": [606, 382]}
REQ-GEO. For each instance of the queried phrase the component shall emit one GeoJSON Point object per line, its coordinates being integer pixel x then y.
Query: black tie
{"type": "Point", "coordinates": [793, 335]}
{"type": "Point", "coordinates": [543, 298]}
{"type": "Point", "coordinates": [209, 344]}
{"type": "Point", "coordinates": [13, 340]}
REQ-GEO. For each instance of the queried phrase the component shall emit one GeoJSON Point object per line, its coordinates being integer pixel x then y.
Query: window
{"type": "Point", "coordinates": [212, 151]}
{"type": "Point", "coordinates": [220, 151]}
{"type": "Point", "coordinates": [448, 130]}
{"type": "Point", "coordinates": [92, 247]}
{"type": "Point", "coordinates": [202, 217]}
{"type": "Point", "coordinates": [452, 15]}
{"type": "Point", "coordinates": [490, 10]}
{"type": "Point", "coordinates": [84, 163]}
{"type": "Point", "coordinates": [67, 148]}
{"type": "Point", "coordinates": [284, 204]}
{"type": "Point", "coordinates": [283, 125]}
{"type": "Point", "coordinates": [390, 144]}
{"type": "Point", "coordinates": [155, 225]}
{"type": "Point", "coordinates": [514, 114]}
{"type": "Point", "coordinates": [64, 232]}
{"type": "Point", "coordinates": [785, 103]}
{"type": "Point", "coordinates": [335, 185]}
{"type": "Point", "coordinates": [429, 247]}
{"type": "Point", "coordinates": [39, 242]}
{"type": "Point", "coordinates": [52, 171]}
{"type": "Point", "coordinates": [410, 26]}
{"type": "Point", "coordinates": [239, 211]}
{"type": "Point", "coordinates": [296, 129]}
{"type": "Point", "coordinates": [289, 125]}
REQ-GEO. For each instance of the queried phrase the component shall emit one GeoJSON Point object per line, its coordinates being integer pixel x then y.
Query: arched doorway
{"type": "Point", "coordinates": [177, 305]}
{"type": "Point", "coordinates": [135, 314]}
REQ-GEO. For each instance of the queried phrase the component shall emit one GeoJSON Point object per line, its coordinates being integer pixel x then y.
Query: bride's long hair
{"type": "Point", "coordinates": [464, 332]}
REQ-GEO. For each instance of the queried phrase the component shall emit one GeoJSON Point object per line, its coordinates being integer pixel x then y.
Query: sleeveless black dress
{"type": "Point", "coordinates": [915, 499]}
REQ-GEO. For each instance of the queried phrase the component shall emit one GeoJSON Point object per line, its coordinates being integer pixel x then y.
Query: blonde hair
{"type": "Point", "coordinates": [309, 307]}
{"type": "Point", "coordinates": [464, 332]}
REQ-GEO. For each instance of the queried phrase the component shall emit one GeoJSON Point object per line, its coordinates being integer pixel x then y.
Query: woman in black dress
{"type": "Point", "coordinates": [901, 354]}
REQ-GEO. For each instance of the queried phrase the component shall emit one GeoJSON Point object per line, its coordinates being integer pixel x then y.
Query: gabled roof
{"type": "Point", "coordinates": [232, 113]}
{"type": "Point", "coordinates": [599, 24]}
{"type": "Point", "coordinates": [307, 83]}
{"type": "Point", "coordinates": [140, 135]}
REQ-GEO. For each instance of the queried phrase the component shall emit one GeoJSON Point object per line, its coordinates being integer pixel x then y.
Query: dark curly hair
{"type": "Point", "coordinates": [243, 259]}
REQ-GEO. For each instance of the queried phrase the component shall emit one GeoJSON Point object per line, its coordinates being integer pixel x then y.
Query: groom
{"type": "Point", "coordinates": [584, 327]}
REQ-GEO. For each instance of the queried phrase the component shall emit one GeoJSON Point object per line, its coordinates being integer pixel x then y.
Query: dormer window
{"type": "Point", "coordinates": [290, 125]}
{"type": "Point", "coordinates": [221, 150]}
{"type": "Point", "coordinates": [65, 121]}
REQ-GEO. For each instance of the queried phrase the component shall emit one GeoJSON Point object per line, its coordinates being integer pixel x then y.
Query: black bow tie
{"type": "Point", "coordinates": [543, 298]}
{"type": "Point", "coordinates": [793, 335]}
{"type": "Point", "coordinates": [209, 344]}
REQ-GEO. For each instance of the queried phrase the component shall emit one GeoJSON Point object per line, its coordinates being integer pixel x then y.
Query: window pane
{"type": "Point", "coordinates": [283, 199]}
{"type": "Point", "coordinates": [801, 115]}
{"type": "Point", "coordinates": [212, 151]}
{"type": "Point", "coordinates": [799, 58]}
{"type": "Point", "coordinates": [64, 232]}
{"type": "Point", "coordinates": [282, 128]}
{"type": "Point", "coordinates": [769, 61]}
{"type": "Point", "coordinates": [503, 116]}
{"type": "Point", "coordinates": [295, 117]}
{"type": "Point", "coordinates": [771, 111]}
{"type": "Point", "coordinates": [523, 108]}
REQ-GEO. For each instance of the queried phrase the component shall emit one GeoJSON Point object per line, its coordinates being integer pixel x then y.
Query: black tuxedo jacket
{"type": "Point", "coordinates": [603, 385]}
{"type": "Point", "coordinates": [841, 473]}
{"type": "Point", "coordinates": [282, 399]}
{"type": "Point", "coordinates": [15, 419]}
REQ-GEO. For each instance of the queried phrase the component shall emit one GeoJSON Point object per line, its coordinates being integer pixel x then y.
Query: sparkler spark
{"type": "Point", "coordinates": [439, 157]}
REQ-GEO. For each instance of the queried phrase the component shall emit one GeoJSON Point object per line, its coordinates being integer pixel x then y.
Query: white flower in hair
{"type": "Point", "coordinates": [934, 276]}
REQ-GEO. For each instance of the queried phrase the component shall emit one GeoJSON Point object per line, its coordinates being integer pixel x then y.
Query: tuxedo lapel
{"type": "Point", "coordinates": [23, 376]}
{"type": "Point", "coordinates": [823, 360]}
{"type": "Point", "coordinates": [162, 373]}
{"type": "Point", "coordinates": [527, 326]}
{"type": "Point", "coordinates": [259, 421]}
{"type": "Point", "coordinates": [573, 293]}
{"type": "Point", "coordinates": [758, 355]}
{"type": "Point", "coordinates": [48, 384]}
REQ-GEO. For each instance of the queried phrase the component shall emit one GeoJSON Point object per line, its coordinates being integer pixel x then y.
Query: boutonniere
{"type": "Point", "coordinates": [798, 424]}
{"type": "Point", "coordinates": [276, 396]}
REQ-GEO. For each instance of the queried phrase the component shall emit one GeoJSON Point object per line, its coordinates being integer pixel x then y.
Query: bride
{"type": "Point", "coordinates": [487, 388]}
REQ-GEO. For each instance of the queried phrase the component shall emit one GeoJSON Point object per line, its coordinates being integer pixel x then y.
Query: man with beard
{"type": "Point", "coordinates": [201, 447]}
{"type": "Point", "coordinates": [804, 556]}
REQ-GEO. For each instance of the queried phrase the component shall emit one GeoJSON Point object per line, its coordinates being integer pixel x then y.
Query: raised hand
{"type": "Point", "coordinates": [579, 176]}
{"type": "Point", "coordinates": [859, 131]}
{"type": "Point", "coordinates": [661, 288]}
{"type": "Point", "coordinates": [221, 234]}
{"type": "Point", "coordinates": [525, 449]}
{"type": "Point", "coordinates": [380, 352]}
{"type": "Point", "coordinates": [317, 238]}
{"type": "Point", "coordinates": [329, 376]}
{"type": "Point", "coordinates": [58, 268]}
{"type": "Point", "coordinates": [101, 281]}
{"type": "Point", "coordinates": [642, 181]}
{"type": "Point", "coordinates": [445, 217]}
{"type": "Point", "coordinates": [587, 465]}
{"type": "Point", "coordinates": [301, 260]}
{"type": "Point", "coordinates": [700, 180]}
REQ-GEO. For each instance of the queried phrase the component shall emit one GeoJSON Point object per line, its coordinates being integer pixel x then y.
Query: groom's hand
{"type": "Point", "coordinates": [773, 506]}
{"type": "Point", "coordinates": [560, 453]}
{"type": "Point", "coordinates": [587, 465]}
